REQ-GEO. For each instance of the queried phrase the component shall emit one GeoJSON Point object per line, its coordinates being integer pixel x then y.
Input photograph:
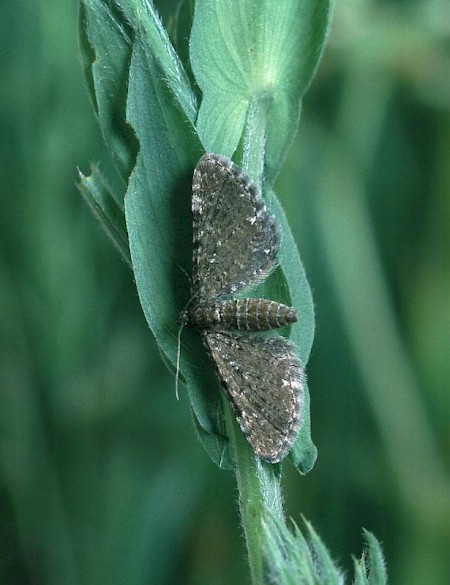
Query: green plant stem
{"type": "Point", "coordinates": [254, 138]}
{"type": "Point", "coordinates": [260, 498]}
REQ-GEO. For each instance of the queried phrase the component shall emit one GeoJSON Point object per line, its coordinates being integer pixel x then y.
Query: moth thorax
{"type": "Point", "coordinates": [242, 314]}
{"type": "Point", "coordinates": [203, 316]}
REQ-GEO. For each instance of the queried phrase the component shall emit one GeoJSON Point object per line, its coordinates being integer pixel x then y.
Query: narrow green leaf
{"type": "Point", "coordinates": [292, 558]}
{"type": "Point", "coordinates": [142, 16]}
{"type": "Point", "coordinates": [244, 51]}
{"type": "Point", "coordinates": [157, 203]}
{"type": "Point", "coordinates": [108, 211]}
{"type": "Point", "coordinates": [374, 560]}
{"type": "Point", "coordinates": [360, 577]}
{"type": "Point", "coordinates": [105, 42]}
{"type": "Point", "coordinates": [87, 52]}
{"type": "Point", "coordinates": [325, 568]}
{"type": "Point", "coordinates": [370, 569]}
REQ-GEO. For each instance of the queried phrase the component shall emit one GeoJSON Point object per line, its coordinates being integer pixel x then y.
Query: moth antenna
{"type": "Point", "coordinates": [177, 374]}
{"type": "Point", "coordinates": [182, 324]}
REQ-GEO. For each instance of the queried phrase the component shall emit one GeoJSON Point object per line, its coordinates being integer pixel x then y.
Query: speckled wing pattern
{"type": "Point", "coordinates": [236, 241]}
{"type": "Point", "coordinates": [264, 382]}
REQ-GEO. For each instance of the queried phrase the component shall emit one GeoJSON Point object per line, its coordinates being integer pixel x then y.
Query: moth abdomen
{"type": "Point", "coordinates": [247, 314]}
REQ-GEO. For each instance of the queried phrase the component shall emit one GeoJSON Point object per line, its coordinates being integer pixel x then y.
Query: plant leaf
{"type": "Point", "coordinates": [244, 50]}
{"type": "Point", "coordinates": [105, 42]}
{"type": "Point", "coordinates": [374, 560]}
{"type": "Point", "coordinates": [108, 211]}
{"type": "Point", "coordinates": [142, 16]}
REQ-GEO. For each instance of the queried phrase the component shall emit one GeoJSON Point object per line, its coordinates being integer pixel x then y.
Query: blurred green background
{"type": "Point", "coordinates": [102, 479]}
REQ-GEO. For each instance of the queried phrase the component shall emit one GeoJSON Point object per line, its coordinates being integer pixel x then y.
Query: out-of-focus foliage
{"type": "Point", "coordinates": [101, 477]}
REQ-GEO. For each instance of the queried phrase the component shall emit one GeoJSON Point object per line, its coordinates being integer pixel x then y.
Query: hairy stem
{"type": "Point", "coordinates": [260, 497]}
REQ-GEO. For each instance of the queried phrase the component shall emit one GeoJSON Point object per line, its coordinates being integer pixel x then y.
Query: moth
{"type": "Point", "coordinates": [235, 245]}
